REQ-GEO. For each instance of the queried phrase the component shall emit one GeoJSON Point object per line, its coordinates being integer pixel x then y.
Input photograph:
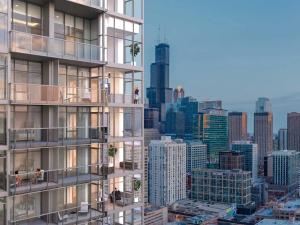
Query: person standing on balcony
{"type": "Point", "coordinates": [136, 95]}
{"type": "Point", "coordinates": [107, 87]}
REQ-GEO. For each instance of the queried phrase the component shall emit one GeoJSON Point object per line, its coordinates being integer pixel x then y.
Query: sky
{"type": "Point", "coordinates": [233, 50]}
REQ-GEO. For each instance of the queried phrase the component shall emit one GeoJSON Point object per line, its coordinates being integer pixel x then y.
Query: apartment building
{"type": "Point", "coordinates": [222, 186]}
{"type": "Point", "coordinates": [71, 113]}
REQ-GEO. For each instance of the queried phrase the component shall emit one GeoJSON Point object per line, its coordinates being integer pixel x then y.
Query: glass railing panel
{"type": "Point", "coordinates": [53, 47]}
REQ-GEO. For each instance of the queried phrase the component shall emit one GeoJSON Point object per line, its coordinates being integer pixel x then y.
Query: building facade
{"type": "Point", "coordinates": [293, 126]}
{"type": "Point", "coordinates": [249, 150]}
{"type": "Point", "coordinates": [231, 161]}
{"type": "Point", "coordinates": [263, 135]}
{"type": "Point", "coordinates": [196, 155]}
{"type": "Point", "coordinates": [167, 171]}
{"type": "Point", "coordinates": [71, 112]}
{"type": "Point", "coordinates": [282, 139]}
{"type": "Point", "coordinates": [222, 186]}
{"type": "Point", "coordinates": [211, 128]}
{"type": "Point", "coordinates": [237, 126]}
{"type": "Point", "coordinates": [286, 169]}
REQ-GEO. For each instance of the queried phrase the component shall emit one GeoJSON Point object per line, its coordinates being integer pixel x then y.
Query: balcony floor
{"type": "Point", "coordinates": [61, 182]}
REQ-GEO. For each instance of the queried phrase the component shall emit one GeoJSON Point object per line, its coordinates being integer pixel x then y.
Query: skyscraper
{"type": "Point", "coordinates": [196, 155]}
{"type": "Point", "coordinates": [71, 130]}
{"type": "Point", "coordinates": [263, 105]}
{"type": "Point", "coordinates": [263, 129]}
{"type": "Point", "coordinates": [293, 126]}
{"type": "Point", "coordinates": [231, 160]}
{"type": "Point", "coordinates": [283, 139]}
{"type": "Point", "coordinates": [159, 91]}
{"type": "Point", "coordinates": [286, 169]}
{"type": "Point", "coordinates": [167, 171]}
{"type": "Point", "coordinates": [210, 126]}
{"type": "Point", "coordinates": [237, 126]}
{"type": "Point", "coordinates": [249, 150]}
{"type": "Point", "coordinates": [178, 93]}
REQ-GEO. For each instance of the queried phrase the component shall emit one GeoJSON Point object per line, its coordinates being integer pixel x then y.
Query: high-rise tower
{"type": "Point", "coordinates": [71, 124]}
{"type": "Point", "coordinates": [159, 91]}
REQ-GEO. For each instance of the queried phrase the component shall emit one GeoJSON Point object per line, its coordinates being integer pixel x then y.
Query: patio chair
{"type": "Point", "coordinates": [84, 208]}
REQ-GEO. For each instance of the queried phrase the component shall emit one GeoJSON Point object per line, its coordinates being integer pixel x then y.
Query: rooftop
{"type": "Point", "coordinates": [285, 152]}
{"type": "Point", "coordinates": [277, 222]}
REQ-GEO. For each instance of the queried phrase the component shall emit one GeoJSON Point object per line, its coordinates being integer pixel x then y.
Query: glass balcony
{"type": "Point", "coordinates": [2, 212]}
{"type": "Point", "coordinates": [50, 137]}
{"type": "Point", "coordinates": [24, 182]}
{"type": "Point", "coordinates": [58, 48]}
{"type": "Point", "coordinates": [99, 4]}
{"type": "Point", "coordinates": [40, 94]}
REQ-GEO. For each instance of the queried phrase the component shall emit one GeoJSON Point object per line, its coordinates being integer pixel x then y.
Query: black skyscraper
{"type": "Point", "coordinates": [159, 92]}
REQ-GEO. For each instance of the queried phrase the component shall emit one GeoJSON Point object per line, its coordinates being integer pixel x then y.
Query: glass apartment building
{"type": "Point", "coordinates": [71, 112]}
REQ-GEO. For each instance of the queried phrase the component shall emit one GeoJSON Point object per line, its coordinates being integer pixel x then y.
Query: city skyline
{"type": "Point", "coordinates": [233, 47]}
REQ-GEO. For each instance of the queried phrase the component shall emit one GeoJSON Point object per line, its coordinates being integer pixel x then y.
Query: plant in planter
{"type": "Point", "coordinates": [111, 153]}
{"type": "Point", "coordinates": [134, 50]}
{"type": "Point", "coordinates": [137, 185]}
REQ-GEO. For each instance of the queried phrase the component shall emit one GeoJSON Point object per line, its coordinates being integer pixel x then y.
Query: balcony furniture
{"type": "Point", "coordinates": [106, 170]}
{"type": "Point", "coordinates": [126, 199]}
{"type": "Point", "coordinates": [128, 165]}
{"type": "Point", "coordinates": [84, 208]}
{"type": "Point", "coordinates": [41, 176]}
{"type": "Point", "coordinates": [62, 218]}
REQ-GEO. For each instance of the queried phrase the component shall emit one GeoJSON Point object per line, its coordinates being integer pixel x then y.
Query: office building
{"type": "Point", "coordinates": [189, 106]}
{"type": "Point", "coordinates": [151, 118]}
{"type": "Point", "coordinates": [196, 155]}
{"type": "Point", "coordinates": [231, 160]}
{"type": "Point", "coordinates": [175, 122]}
{"type": "Point", "coordinates": [293, 126]}
{"type": "Point", "coordinates": [178, 93]}
{"type": "Point", "coordinates": [282, 139]}
{"type": "Point", "coordinates": [286, 169]}
{"type": "Point", "coordinates": [237, 126]}
{"type": "Point", "coordinates": [71, 112]}
{"type": "Point", "coordinates": [159, 91]}
{"type": "Point", "coordinates": [249, 150]}
{"type": "Point", "coordinates": [222, 186]}
{"type": "Point", "coordinates": [263, 105]}
{"type": "Point", "coordinates": [210, 104]}
{"type": "Point", "coordinates": [263, 134]}
{"type": "Point", "coordinates": [155, 215]}
{"type": "Point", "coordinates": [210, 126]}
{"type": "Point", "coordinates": [167, 171]}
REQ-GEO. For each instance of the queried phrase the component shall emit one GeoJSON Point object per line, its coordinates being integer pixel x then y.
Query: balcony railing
{"type": "Point", "coordinates": [49, 137]}
{"type": "Point", "coordinates": [54, 47]}
{"type": "Point", "coordinates": [24, 182]}
{"type": "Point", "coordinates": [25, 93]}
{"type": "Point", "coordinates": [100, 4]}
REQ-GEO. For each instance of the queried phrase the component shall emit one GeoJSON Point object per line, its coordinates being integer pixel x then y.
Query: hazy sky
{"type": "Point", "coordinates": [233, 50]}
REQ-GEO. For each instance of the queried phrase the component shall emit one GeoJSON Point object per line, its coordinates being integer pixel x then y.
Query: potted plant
{"type": "Point", "coordinates": [112, 151]}
{"type": "Point", "coordinates": [134, 51]}
{"type": "Point", "coordinates": [137, 185]}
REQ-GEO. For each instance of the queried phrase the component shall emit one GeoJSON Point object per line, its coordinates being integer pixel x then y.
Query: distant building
{"type": "Point", "coordinates": [210, 126]}
{"type": "Point", "coordinates": [189, 106]}
{"type": "Point", "coordinates": [259, 193]}
{"type": "Point", "coordinates": [263, 134]}
{"type": "Point", "coordinates": [151, 118]}
{"type": "Point", "coordinates": [178, 93]}
{"type": "Point", "coordinates": [249, 150]}
{"type": "Point", "coordinates": [196, 157]}
{"type": "Point", "coordinates": [155, 215]}
{"type": "Point", "coordinates": [286, 169]}
{"type": "Point", "coordinates": [167, 171]}
{"type": "Point", "coordinates": [283, 139]}
{"type": "Point", "coordinates": [293, 126]}
{"type": "Point", "coordinates": [159, 91]}
{"type": "Point", "coordinates": [149, 135]}
{"type": "Point", "coordinates": [231, 160]}
{"type": "Point", "coordinates": [222, 186]}
{"type": "Point", "coordinates": [188, 210]}
{"type": "Point", "coordinates": [263, 105]}
{"type": "Point", "coordinates": [237, 126]}
{"type": "Point", "coordinates": [175, 122]}
{"type": "Point", "coordinates": [210, 104]}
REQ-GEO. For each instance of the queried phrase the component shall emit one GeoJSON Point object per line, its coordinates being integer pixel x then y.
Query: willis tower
{"type": "Point", "coordinates": [159, 93]}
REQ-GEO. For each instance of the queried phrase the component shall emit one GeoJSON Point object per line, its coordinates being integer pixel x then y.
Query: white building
{"type": "Point", "coordinates": [196, 155]}
{"type": "Point", "coordinates": [167, 171]}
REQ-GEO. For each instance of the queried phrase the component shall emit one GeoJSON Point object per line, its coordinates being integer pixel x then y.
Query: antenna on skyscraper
{"type": "Point", "coordinates": [165, 37]}
{"type": "Point", "coordinates": [158, 37]}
